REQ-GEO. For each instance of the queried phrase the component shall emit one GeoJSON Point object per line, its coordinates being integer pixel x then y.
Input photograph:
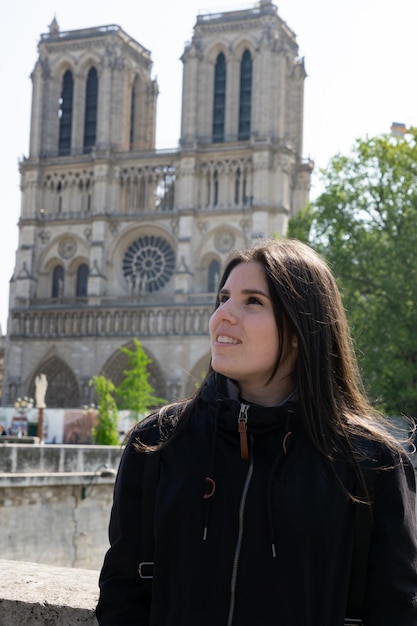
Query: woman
{"type": "Point", "coordinates": [271, 476]}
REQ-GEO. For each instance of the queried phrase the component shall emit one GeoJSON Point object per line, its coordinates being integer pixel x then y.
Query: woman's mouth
{"type": "Point", "coordinates": [226, 339]}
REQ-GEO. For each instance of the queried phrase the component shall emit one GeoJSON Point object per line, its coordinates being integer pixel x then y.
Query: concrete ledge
{"type": "Point", "coordinates": [20, 440]}
{"type": "Point", "coordinates": [33, 594]}
{"type": "Point", "coordinates": [24, 458]}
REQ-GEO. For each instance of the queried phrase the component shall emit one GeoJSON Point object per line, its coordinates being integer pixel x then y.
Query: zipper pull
{"type": "Point", "coordinates": [242, 427]}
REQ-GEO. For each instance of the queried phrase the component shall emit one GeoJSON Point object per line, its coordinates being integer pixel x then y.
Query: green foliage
{"type": "Point", "coordinates": [299, 226]}
{"type": "Point", "coordinates": [135, 393]}
{"type": "Point", "coordinates": [106, 432]}
{"type": "Point", "coordinates": [365, 224]}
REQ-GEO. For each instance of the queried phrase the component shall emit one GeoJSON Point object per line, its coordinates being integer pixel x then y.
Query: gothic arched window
{"type": "Point", "coordinates": [213, 276]}
{"type": "Point", "coordinates": [90, 120]}
{"type": "Point", "coordinates": [58, 282]}
{"type": "Point", "coordinates": [59, 195]}
{"type": "Point", "coordinates": [215, 188]}
{"type": "Point", "coordinates": [65, 114]}
{"type": "Point", "coordinates": [237, 186]}
{"type": "Point", "coordinates": [82, 281]}
{"type": "Point", "coordinates": [245, 96]}
{"type": "Point", "coordinates": [219, 101]}
{"type": "Point", "coordinates": [132, 118]}
{"type": "Point", "coordinates": [134, 115]}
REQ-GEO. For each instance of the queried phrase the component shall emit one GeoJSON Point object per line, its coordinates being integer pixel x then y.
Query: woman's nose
{"type": "Point", "coordinates": [227, 311]}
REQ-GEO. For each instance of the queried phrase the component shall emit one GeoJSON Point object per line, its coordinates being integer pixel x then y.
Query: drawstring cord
{"type": "Point", "coordinates": [285, 441]}
{"type": "Point", "coordinates": [210, 482]}
{"type": "Point", "coordinates": [277, 462]}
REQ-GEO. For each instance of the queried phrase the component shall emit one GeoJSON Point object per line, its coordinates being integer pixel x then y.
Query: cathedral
{"type": "Point", "coordinates": [119, 240]}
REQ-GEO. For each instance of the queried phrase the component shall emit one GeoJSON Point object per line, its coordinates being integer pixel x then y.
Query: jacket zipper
{"type": "Point", "coordinates": [243, 418]}
{"type": "Point", "coordinates": [242, 424]}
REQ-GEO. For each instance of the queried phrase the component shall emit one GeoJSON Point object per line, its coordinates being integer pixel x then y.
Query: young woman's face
{"type": "Point", "coordinates": [245, 340]}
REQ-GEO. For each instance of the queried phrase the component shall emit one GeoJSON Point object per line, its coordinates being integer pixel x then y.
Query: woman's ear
{"type": "Point", "coordinates": [294, 342]}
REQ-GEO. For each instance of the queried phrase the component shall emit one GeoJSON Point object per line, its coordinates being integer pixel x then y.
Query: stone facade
{"type": "Point", "coordinates": [119, 240]}
{"type": "Point", "coordinates": [2, 344]}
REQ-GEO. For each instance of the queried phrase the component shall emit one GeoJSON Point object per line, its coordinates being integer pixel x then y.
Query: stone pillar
{"type": "Point", "coordinates": [38, 76]}
{"type": "Point", "coordinates": [189, 96]}
{"type": "Point", "coordinates": [97, 275]}
{"type": "Point", "coordinates": [104, 121]}
{"type": "Point", "coordinates": [187, 183]}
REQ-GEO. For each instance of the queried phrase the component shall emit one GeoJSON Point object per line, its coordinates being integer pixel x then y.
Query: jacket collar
{"type": "Point", "coordinates": [224, 394]}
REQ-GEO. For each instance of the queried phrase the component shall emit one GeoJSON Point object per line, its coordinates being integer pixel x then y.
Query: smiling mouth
{"type": "Point", "coordinates": [225, 339]}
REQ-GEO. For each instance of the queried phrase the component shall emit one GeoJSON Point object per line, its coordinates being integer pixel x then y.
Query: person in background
{"type": "Point", "coordinates": [264, 473]}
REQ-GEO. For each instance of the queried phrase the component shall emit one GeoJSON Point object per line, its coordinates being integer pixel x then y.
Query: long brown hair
{"type": "Point", "coordinates": [331, 399]}
{"type": "Point", "coordinates": [306, 301]}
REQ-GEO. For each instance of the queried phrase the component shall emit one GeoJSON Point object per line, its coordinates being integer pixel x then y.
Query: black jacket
{"type": "Point", "coordinates": [272, 546]}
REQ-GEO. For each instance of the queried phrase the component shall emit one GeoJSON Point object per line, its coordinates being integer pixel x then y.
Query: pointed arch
{"type": "Point", "coordinates": [90, 119]}
{"type": "Point", "coordinates": [65, 114]}
{"type": "Point", "coordinates": [245, 96]}
{"type": "Point", "coordinates": [219, 98]}
{"type": "Point", "coordinates": [118, 362]}
{"type": "Point", "coordinates": [63, 390]}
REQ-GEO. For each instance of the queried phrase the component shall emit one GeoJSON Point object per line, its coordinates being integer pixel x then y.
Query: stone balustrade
{"type": "Point", "coordinates": [97, 321]}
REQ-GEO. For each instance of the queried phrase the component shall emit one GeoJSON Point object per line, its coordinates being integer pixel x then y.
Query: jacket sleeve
{"type": "Point", "coordinates": [123, 598]}
{"type": "Point", "coordinates": [391, 596]}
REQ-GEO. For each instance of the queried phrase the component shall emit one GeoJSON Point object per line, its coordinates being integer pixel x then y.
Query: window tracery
{"type": "Point", "coordinates": [90, 121]}
{"type": "Point", "coordinates": [245, 96]}
{"type": "Point", "coordinates": [65, 114]}
{"type": "Point", "coordinates": [148, 264]}
{"type": "Point", "coordinates": [219, 99]}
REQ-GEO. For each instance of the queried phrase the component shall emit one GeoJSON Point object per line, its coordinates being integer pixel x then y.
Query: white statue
{"type": "Point", "coordinates": [41, 385]}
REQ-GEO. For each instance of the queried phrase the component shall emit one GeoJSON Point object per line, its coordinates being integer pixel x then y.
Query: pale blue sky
{"type": "Point", "coordinates": [360, 59]}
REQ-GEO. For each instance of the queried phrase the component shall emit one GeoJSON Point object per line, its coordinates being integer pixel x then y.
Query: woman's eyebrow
{"type": "Point", "coordinates": [258, 292]}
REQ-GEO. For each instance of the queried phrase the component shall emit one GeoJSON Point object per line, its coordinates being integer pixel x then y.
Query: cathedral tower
{"type": "Point", "coordinates": [119, 240]}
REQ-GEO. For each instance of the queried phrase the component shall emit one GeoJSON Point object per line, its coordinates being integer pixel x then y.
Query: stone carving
{"type": "Point", "coordinates": [67, 247]}
{"type": "Point", "coordinates": [41, 385]}
{"type": "Point", "coordinates": [224, 242]}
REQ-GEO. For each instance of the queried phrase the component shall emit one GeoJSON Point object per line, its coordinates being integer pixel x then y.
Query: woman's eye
{"type": "Point", "coordinates": [223, 299]}
{"type": "Point", "coordinates": [254, 300]}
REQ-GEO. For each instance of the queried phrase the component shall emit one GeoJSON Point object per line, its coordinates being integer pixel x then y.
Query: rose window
{"type": "Point", "coordinates": [148, 264]}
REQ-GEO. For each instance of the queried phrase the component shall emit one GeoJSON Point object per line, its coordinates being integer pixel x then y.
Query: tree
{"type": "Point", "coordinates": [135, 393]}
{"type": "Point", "coordinates": [106, 433]}
{"type": "Point", "coordinates": [365, 224]}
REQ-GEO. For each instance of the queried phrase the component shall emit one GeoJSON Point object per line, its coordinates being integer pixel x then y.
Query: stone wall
{"type": "Point", "coordinates": [55, 503]}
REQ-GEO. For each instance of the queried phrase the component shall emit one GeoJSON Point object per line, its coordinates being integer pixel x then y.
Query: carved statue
{"type": "Point", "coordinates": [41, 385]}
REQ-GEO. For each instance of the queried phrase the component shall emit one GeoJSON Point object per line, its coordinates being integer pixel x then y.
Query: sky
{"type": "Point", "coordinates": [360, 58]}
